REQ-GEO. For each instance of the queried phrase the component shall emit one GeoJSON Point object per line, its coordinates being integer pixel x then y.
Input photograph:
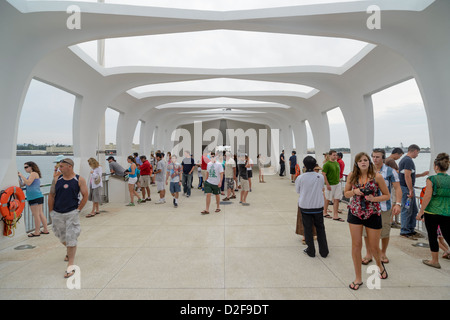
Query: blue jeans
{"type": "Point", "coordinates": [187, 182]}
{"type": "Point", "coordinates": [408, 216]}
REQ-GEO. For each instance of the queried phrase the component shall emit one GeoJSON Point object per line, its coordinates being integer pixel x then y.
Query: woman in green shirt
{"type": "Point", "coordinates": [436, 207]}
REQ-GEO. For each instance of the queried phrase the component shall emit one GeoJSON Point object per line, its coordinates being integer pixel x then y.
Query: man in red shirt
{"type": "Point", "coordinates": [204, 166]}
{"type": "Point", "coordinates": [341, 164]}
{"type": "Point", "coordinates": [146, 171]}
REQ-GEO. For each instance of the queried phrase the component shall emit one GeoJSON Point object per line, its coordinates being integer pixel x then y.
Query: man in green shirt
{"type": "Point", "coordinates": [333, 190]}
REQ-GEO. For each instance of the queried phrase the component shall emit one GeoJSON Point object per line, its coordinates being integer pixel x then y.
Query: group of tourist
{"type": "Point", "coordinates": [218, 174]}
{"type": "Point", "coordinates": [369, 187]}
{"type": "Point", "coordinates": [377, 189]}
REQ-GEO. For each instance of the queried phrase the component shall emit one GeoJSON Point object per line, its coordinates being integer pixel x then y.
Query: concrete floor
{"type": "Point", "coordinates": [160, 252]}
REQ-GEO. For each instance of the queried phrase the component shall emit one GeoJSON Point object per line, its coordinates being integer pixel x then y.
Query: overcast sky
{"type": "Point", "coordinates": [399, 112]}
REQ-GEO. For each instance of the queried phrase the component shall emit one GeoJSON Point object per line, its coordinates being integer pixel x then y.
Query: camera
{"type": "Point", "coordinates": [366, 191]}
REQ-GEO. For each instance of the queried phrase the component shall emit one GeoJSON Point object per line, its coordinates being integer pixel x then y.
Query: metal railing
{"type": "Point", "coordinates": [27, 215]}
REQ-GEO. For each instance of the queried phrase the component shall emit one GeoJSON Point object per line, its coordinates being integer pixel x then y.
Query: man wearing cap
{"type": "Point", "coordinates": [65, 207]}
{"type": "Point", "coordinates": [58, 159]}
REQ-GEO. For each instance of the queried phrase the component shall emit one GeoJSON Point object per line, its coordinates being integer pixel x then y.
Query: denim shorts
{"type": "Point", "coordinates": [175, 187]}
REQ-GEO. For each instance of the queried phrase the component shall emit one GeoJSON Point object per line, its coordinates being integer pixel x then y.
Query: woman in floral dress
{"type": "Point", "coordinates": [366, 189]}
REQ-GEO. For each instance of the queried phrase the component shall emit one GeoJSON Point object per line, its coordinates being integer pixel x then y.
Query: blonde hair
{"type": "Point", "coordinates": [93, 163]}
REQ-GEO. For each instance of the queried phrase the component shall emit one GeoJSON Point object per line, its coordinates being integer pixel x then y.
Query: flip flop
{"type": "Point", "coordinates": [205, 212]}
{"type": "Point", "coordinates": [32, 235]}
{"type": "Point", "coordinates": [339, 219]}
{"type": "Point", "coordinates": [383, 272]}
{"type": "Point", "coordinates": [354, 285]}
{"type": "Point", "coordinates": [42, 232]}
{"type": "Point", "coordinates": [327, 216]}
{"type": "Point", "coordinates": [366, 261]}
{"type": "Point", "coordinates": [434, 265]}
{"type": "Point", "coordinates": [90, 215]}
{"type": "Point", "coordinates": [69, 274]}
{"type": "Point", "coordinates": [217, 210]}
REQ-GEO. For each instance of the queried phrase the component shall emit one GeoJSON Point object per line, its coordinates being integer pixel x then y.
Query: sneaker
{"type": "Point", "coordinates": [160, 201]}
{"type": "Point", "coordinates": [140, 201]}
{"type": "Point", "coordinates": [148, 199]}
{"type": "Point", "coordinates": [131, 204]}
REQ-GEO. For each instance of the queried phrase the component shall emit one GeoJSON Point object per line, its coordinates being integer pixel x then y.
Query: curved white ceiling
{"type": "Point", "coordinates": [215, 5]}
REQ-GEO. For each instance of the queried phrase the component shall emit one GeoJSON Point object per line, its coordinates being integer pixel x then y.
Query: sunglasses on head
{"type": "Point", "coordinates": [63, 161]}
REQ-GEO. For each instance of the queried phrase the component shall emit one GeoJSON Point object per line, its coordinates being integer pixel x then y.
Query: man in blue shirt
{"type": "Point", "coordinates": [292, 164]}
{"type": "Point", "coordinates": [407, 174]}
{"type": "Point", "coordinates": [188, 165]}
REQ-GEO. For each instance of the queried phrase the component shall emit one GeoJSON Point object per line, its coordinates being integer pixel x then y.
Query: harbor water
{"type": "Point", "coordinates": [46, 166]}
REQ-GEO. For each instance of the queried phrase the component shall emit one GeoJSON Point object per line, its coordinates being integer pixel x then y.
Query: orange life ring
{"type": "Point", "coordinates": [12, 203]}
{"type": "Point", "coordinates": [422, 194]}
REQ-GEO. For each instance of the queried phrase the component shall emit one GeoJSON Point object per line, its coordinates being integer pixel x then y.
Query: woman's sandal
{"type": "Point", "coordinates": [383, 272]}
{"type": "Point", "coordinates": [69, 274]}
{"type": "Point", "coordinates": [90, 215]}
{"type": "Point", "coordinates": [354, 285]}
{"type": "Point", "coordinates": [205, 212]}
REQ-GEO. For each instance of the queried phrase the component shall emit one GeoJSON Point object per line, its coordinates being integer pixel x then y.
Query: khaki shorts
{"type": "Point", "coordinates": [245, 185]}
{"type": "Point", "coordinates": [145, 181]}
{"type": "Point", "coordinates": [160, 186]}
{"type": "Point", "coordinates": [204, 174]}
{"type": "Point", "coordinates": [66, 227]}
{"type": "Point", "coordinates": [334, 193]}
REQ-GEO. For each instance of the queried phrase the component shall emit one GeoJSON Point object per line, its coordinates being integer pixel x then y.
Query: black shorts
{"type": "Point", "coordinates": [249, 173]}
{"type": "Point", "coordinates": [373, 222]}
{"type": "Point", "coordinates": [292, 170]}
{"type": "Point", "coordinates": [36, 201]}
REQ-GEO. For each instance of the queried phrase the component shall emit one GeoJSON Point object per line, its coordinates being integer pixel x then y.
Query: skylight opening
{"type": "Point", "coordinates": [225, 49]}
{"type": "Point", "coordinates": [222, 85]}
